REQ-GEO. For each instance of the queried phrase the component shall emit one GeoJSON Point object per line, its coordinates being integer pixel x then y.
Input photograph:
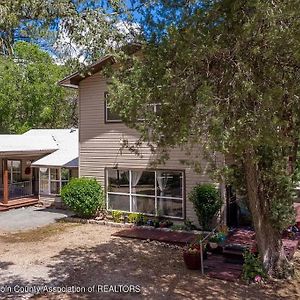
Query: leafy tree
{"type": "Point", "coordinates": [84, 29]}
{"type": "Point", "coordinates": [29, 94]}
{"type": "Point", "coordinates": [226, 74]}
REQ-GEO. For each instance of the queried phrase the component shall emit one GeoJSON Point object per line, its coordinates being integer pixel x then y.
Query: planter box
{"type": "Point", "coordinates": [192, 260]}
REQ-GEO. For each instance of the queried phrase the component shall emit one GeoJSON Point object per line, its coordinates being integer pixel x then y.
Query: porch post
{"type": "Point", "coordinates": [5, 182]}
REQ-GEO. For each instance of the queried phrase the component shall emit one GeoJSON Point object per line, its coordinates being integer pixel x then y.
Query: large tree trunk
{"type": "Point", "coordinates": [268, 237]}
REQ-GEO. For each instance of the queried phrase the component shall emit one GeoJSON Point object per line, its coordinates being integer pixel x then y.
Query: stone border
{"type": "Point", "coordinates": [124, 225]}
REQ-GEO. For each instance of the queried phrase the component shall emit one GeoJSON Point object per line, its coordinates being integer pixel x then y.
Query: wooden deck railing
{"type": "Point", "coordinates": [20, 189]}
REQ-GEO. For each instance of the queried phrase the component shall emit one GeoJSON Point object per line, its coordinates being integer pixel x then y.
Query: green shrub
{"type": "Point", "coordinates": [178, 227]}
{"type": "Point", "coordinates": [137, 218]}
{"type": "Point", "coordinates": [189, 225]}
{"type": "Point", "coordinates": [253, 269]}
{"type": "Point", "coordinates": [132, 217]}
{"type": "Point", "coordinates": [84, 196]}
{"type": "Point", "coordinates": [117, 215]}
{"type": "Point", "coordinates": [207, 203]}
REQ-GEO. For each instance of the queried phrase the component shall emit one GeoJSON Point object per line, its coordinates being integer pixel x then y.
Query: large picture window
{"type": "Point", "coordinates": [153, 192]}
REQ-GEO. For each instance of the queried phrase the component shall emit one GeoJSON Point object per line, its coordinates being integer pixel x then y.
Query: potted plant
{"type": "Point", "coordinates": [192, 256]}
{"type": "Point", "coordinates": [156, 223]}
{"type": "Point", "coordinates": [150, 222]}
{"type": "Point", "coordinates": [165, 224]}
{"type": "Point", "coordinates": [213, 243]}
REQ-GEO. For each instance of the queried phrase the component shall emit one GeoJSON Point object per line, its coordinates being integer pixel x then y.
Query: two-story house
{"type": "Point", "coordinates": [130, 183]}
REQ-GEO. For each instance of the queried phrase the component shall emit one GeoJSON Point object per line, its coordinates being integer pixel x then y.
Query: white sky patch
{"type": "Point", "coordinates": [66, 48]}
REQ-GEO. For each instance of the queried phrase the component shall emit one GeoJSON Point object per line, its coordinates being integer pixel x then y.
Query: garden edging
{"type": "Point", "coordinates": [125, 225]}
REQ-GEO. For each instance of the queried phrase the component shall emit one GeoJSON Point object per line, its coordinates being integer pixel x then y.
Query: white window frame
{"type": "Point", "coordinates": [49, 181]}
{"type": "Point", "coordinates": [11, 170]}
{"type": "Point", "coordinates": [106, 106]}
{"type": "Point", "coordinates": [155, 196]}
{"type": "Point", "coordinates": [155, 106]}
{"type": "Point", "coordinates": [55, 180]}
{"type": "Point", "coordinates": [64, 181]}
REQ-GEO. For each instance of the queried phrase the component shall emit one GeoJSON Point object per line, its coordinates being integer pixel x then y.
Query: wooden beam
{"type": "Point", "coordinates": [5, 182]}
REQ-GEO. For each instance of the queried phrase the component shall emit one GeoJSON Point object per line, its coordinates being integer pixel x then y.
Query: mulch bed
{"type": "Point", "coordinates": [241, 236]}
{"type": "Point", "coordinates": [216, 267]}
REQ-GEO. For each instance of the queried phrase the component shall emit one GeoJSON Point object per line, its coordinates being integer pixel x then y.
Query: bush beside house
{"type": "Point", "coordinates": [207, 203]}
{"type": "Point", "coordinates": [84, 196]}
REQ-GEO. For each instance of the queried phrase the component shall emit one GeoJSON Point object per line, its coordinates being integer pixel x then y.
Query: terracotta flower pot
{"type": "Point", "coordinates": [192, 260]}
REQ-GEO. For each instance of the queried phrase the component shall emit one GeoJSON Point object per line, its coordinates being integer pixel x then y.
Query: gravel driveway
{"type": "Point", "coordinates": [29, 218]}
{"type": "Point", "coordinates": [84, 256]}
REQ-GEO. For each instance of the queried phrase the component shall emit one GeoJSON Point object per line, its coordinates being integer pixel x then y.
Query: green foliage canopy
{"type": "Point", "coordinates": [29, 94]}
{"type": "Point", "coordinates": [226, 75]}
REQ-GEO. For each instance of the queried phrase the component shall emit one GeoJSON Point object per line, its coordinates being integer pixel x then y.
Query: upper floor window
{"type": "Point", "coordinates": [110, 116]}
{"type": "Point", "coordinates": [155, 107]}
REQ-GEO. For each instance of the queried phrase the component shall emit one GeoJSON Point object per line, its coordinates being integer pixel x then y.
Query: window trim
{"type": "Point", "coordinates": [11, 170]}
{"type": "Point", "coordinates": [156, 197]}
{"type": "Point", "coordinates": [49, 181]}
{"type": "Point", "coordinates": [106, 113]}
{"type": "Point", "coordinates": [153, 105]}
{"type": "Point", "coordinates": [54, 180]}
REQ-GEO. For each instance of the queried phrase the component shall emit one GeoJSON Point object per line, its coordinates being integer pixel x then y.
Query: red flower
{"type": "Point", "coordinates": [253, 249]}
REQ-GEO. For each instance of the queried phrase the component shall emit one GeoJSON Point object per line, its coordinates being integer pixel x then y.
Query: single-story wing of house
{"type": "Point", "coordinates": [36, 165]}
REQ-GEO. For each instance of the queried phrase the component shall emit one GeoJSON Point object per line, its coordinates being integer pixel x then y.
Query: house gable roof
{"type": "Point", "coordinates": [73, 80]}
{"type": "Point", "coordinates": [66, 154]}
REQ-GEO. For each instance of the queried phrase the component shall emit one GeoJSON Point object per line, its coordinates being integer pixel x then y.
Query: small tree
{"type": "Point", "coordinates": [84, 196]}
{"type": "Point", "coordinates": [207, 203]}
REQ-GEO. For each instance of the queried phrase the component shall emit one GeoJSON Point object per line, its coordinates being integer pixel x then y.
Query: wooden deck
{"type": "Point", "coordinates": [19, 202]}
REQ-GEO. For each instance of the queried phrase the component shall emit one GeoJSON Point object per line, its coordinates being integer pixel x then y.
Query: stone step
{"type": "Point", "coordinates": [234, 253]}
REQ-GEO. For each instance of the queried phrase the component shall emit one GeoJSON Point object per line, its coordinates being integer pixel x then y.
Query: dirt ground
{"type": "Point", "coordinates": [86, 256]}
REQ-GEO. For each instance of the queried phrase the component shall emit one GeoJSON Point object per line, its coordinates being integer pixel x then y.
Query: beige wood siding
{"type": "Point", "coordinates": [100, 142]}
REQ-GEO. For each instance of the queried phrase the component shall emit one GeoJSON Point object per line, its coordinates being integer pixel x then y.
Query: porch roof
{"type": "Point", "coordinates": [22, 145]}
{"type": "Point", "coordinates": [66, 154]}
